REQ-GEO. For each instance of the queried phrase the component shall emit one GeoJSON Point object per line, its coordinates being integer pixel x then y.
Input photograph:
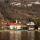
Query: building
{"type": "Point", "coordinates": [13, 25]}
{"type": "Point", "coordinates": [30, 25]}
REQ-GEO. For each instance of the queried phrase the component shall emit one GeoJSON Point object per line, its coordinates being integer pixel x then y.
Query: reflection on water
{"type": "Point", "coordinates": [20, 35]}
{"type": "Point", "coordinates": [31, 35]}
{"type": "Point", "coordinates": [4, 36]}
{"type": "Point", "coordinates": [37, 35]}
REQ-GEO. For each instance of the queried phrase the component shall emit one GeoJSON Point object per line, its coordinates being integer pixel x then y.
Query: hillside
{"type": "Point", "coordinates": [11, 11]}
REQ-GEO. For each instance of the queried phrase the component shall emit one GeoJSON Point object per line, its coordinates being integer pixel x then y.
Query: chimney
{"type": "Point", "coordinates": [16, 21]}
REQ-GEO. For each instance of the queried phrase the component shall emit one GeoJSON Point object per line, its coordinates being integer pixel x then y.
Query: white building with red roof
{"type": "Point", "coordinates": [13, 25]}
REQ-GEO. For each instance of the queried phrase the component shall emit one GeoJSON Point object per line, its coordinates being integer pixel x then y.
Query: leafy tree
{"type": "Point", "coordinates": [37, 21]}
{"type": "Point", "coordinates": [12, 19]}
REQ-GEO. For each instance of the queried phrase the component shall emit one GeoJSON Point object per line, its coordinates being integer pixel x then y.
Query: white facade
{"type": "Point", "coordinates": [12, 26]}
{"type": "Point", "coordinates": [31, 23]}
{"type": "Point", "coordinates": [15, 26]}
{"type": "Point", "coordinates": [18, 26]}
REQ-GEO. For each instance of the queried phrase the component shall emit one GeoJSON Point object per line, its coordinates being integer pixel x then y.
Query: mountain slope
{"type": "Point", "coordinates": [22, 12]}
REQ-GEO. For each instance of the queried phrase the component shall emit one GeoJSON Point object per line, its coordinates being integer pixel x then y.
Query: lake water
{"type": "Point", "coordinates": [20, 35]}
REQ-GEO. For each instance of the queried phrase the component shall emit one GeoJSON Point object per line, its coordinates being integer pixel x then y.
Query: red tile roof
{"type": "Point", "coordinates": [11, 23]}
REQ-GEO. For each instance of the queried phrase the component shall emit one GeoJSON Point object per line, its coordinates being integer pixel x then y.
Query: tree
{"type": "Point", "coordinates": [37, 21]}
